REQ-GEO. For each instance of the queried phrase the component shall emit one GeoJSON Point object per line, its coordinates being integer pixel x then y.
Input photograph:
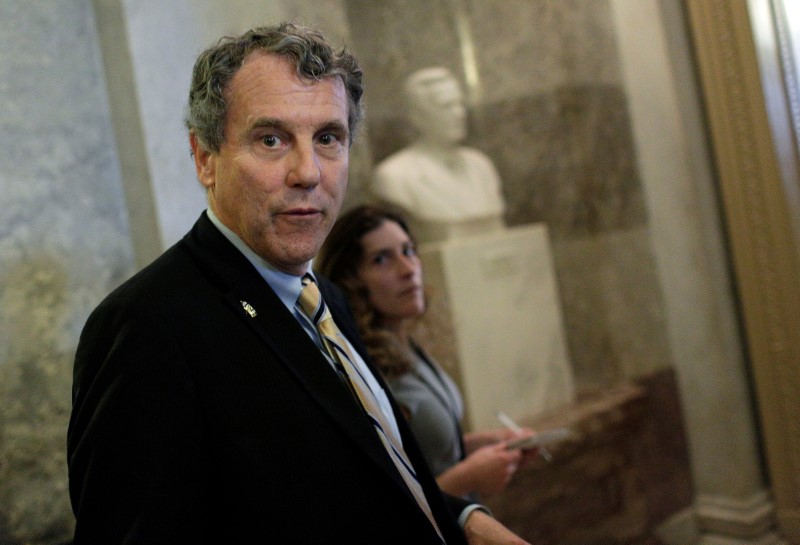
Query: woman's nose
{"type": "Point", "coordinates": [408, 265]}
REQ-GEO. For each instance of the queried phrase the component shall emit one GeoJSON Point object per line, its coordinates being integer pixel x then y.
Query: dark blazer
{"type": "Point", "coordinates": [195, 421]}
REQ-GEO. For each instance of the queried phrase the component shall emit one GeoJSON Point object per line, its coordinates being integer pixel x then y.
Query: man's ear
{"type": "Point", "coordinates": [204, 162]}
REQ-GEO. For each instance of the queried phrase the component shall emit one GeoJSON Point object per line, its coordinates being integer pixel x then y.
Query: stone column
{"type": "Point", "coordinates": [732, 504]}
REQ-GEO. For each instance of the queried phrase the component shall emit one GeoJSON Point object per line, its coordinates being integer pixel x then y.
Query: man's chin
{"type": "Point", "coordinates": [298, 257]}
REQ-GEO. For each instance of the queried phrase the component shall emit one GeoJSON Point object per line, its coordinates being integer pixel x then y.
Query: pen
{"type": "Point", "coordinates": [507, 422]}
{"type": "Point", "coordinates": [513, 426]}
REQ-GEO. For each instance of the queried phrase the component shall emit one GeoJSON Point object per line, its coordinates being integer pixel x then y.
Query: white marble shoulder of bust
{"type": "Point", "coordinates": [388, 182]}
{"type": "Point", "coordinates": [402, 158]}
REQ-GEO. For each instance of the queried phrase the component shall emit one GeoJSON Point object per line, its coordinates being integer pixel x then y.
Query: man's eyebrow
{"type": "Point", "coordinates": [268, 122]}
{"type": "Point", "coordinates": [273, 123]}
{"type": "Point", "coordinates": [336, 126]}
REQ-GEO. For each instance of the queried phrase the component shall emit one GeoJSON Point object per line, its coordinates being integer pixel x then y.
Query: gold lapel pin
{"type": "Point", "coordinates": [248, 308]}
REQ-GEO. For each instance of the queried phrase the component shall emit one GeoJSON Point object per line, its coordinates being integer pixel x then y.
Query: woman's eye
{"type": "Point", "coordinates": [409, 251]}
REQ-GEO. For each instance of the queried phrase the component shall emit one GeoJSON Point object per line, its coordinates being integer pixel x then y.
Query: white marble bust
{"type": "Point", "coordinates": [447, 189]}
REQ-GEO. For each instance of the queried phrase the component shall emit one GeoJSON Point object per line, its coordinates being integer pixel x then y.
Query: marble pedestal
{"type": "Point", "coordinates": [495, 322]}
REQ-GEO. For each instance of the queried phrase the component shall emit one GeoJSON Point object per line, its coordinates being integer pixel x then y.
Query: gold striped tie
{"type": "Point", "coordinates": [314, 308]}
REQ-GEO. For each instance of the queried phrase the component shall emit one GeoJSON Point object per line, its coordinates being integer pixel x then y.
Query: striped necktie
{"type": "Point", "coordinates": [312, 306]}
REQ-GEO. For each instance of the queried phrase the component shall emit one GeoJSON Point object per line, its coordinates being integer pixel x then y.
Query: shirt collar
{"type": "Point", "coordinates": [286, 286]}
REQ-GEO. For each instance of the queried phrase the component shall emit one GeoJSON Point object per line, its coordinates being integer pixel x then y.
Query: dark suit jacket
{"type": "Point", "coordinates": [194, 422]}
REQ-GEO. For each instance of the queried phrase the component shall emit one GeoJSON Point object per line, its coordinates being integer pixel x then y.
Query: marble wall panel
{"type": "Point", "coordinates": [613, 313]}
{"type": "Point", "coordinates": [64, 243]}
{"type": "Point", "coordinates": [518, 47]}
{"type": "Point", "coordinates": [524, 47]}
{"type": "Point", "coordinates": [566, 158]}
{"type": "Point", "coordinates": [391, 40]}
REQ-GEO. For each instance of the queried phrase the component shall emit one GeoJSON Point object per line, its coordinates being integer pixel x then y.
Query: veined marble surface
{"type": "Point", "coordinates": [64, 243]}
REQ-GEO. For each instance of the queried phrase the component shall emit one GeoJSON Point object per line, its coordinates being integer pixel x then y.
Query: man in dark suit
{"type": "Point", "coordinates": [205, 409]}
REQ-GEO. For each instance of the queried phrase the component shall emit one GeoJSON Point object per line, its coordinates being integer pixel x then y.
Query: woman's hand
{"type": "Point", "coordinates": [477, 439]}
{"type": "Point", "coordinates": [489, 469]}
{"type": "Point", "coordinates": [489, 464]}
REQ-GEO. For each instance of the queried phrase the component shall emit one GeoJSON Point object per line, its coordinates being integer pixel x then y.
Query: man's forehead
{"type": "Point", "coordinates": [271, 69]}
{"type": "Point", "coordinates": [267, 81]}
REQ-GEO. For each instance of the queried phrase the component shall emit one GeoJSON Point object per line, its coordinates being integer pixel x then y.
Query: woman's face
{"type": "Point", "coordinates": [391, 272]}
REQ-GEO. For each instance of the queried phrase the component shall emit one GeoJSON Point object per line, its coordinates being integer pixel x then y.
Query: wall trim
{"type": "Point", "coordinates": [766, 257]}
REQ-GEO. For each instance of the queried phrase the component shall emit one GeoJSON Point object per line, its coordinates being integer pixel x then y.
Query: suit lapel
{"type": "Point", "coordinates": [260, 309]}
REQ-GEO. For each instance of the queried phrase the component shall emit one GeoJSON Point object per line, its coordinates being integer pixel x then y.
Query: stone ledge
{"type": "Point", "coordinates": [591, 492]}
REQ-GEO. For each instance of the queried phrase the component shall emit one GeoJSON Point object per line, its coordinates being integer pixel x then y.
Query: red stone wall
{"type": "Point", "coordinates": [623, 472]}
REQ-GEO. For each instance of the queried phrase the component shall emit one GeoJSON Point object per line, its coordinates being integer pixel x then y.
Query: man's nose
{"type": "Point", "coordinates": [304, 168]}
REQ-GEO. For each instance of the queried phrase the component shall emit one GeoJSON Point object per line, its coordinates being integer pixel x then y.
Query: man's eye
{"type": "Point", "coordinates": [328, 139]}
{"type": "Point", "coordinates": [271, 141]}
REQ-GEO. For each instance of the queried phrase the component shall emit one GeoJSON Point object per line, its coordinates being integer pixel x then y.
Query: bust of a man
{"type": "Point", "coordinates": [447, 189]}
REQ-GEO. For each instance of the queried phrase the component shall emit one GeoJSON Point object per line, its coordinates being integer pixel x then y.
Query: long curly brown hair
{"type": "Point", "coordinates": [339, 260]}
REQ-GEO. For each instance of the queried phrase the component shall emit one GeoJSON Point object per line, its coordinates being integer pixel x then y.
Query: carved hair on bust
{"type": "Point", "coordinates": [435, 105]}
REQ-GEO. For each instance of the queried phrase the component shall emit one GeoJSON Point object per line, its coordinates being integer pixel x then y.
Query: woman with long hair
{"type": "Point", "coordinates": [371, 254]}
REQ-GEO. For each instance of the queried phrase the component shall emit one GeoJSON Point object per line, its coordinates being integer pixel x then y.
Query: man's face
{"type": "Point", "coordinates": [280, 176]}
{"type": "Point", "coordinates": [440, 114]}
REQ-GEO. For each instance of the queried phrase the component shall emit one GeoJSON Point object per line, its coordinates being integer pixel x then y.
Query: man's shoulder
{"type": "Point", "coordinates": [157, 280]}
{"type": "Point", "coordinates": [179, 269]}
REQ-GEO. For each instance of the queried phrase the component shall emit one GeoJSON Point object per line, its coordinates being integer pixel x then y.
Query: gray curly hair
{"type": "Point", "coordinates": [314, 57]}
